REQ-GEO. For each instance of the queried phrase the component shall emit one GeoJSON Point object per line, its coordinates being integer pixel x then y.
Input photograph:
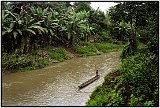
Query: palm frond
{"type": "Point", "coordinates": [31, 31]}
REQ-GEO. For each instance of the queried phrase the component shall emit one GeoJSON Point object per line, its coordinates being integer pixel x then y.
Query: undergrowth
{"type": "Point", "coordinates": [135, 83]}
{"type": "Point", "coordinates": [87, 49]}
{"type": "Point", "coordinates": [34, 60]}
{"type": "Point", "coordinates": [41, 58]}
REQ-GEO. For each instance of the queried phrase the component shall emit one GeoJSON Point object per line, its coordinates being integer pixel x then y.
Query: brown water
{"type": "Point", "coordinates": [57, 85]}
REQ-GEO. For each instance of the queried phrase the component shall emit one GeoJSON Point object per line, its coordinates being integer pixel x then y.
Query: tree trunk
{"type": "Point", "coordinates": [132, 40]}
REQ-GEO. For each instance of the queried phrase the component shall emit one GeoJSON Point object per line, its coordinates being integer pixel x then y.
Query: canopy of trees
{"type": "Point", "coordinates": [27, 26]}
{"type": "Point", "coordinates": [31, 25]}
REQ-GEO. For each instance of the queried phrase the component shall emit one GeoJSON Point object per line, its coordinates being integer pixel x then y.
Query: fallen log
{"type": "Point", "coordinates": [89, 81]}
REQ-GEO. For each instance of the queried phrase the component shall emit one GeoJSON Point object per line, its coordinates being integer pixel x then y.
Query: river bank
{"type": "Point", "coordinates": [57, 85]}
{"type": "Point", "coordinates": [41, 58]}
{"type": "Point", "coordinates": [134, 83]}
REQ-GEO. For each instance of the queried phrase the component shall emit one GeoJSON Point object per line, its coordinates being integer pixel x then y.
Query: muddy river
{"type": "Point", "coordinates": [57, 85]}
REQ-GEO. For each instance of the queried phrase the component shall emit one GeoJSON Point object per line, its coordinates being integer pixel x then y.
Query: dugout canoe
{"type": "Point", "coordinates": [89, 81]}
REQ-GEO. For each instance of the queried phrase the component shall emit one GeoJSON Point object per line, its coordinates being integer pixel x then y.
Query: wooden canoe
{"type": "Point", "coordinates": [89, 82]}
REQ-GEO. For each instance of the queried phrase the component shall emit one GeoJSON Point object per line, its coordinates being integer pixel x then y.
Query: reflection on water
{"type": "Point", "coordinates": [57, 85]}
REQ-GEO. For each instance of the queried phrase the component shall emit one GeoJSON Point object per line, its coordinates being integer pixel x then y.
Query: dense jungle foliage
{"type": "Point", "coordinates": [135, 82]}
{"type": "Point", "coordinates": [32, 32]}
{"type": "Point", "coordinates": [36, 34]}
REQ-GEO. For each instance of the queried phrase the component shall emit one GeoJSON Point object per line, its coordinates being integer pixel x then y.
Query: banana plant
{"type": "Point", "coordinates": [38, 13]}
{"type": "Point", "coordinates": [9, 23]}
{"type": "Point", "coordinates": [50, 25]}
{"type": "Point", "coordinates": [86, 31]}
{"type": "Point", "coordinates": [32, 28]}
{"type": "Point", "coordinates": [77, 26]}
{"type": "Point", "coordinates": [51, 21]}
{"type": "Point", "coordinates": [20, 24]}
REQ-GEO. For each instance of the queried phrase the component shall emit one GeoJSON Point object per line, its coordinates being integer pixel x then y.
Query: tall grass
{"type": "Point", "coordinates": [34, 60]}
{"type": "Point", "coordinates": [59, 54]}
{"type": "Point", "coordinates": [41, 58]}
{"type": "Point", "coordinates": [88, 49]}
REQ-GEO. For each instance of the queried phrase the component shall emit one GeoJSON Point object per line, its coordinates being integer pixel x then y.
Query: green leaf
{"type": "Point", "coordinates": [5, 28]}
{"type": "Point", "coordinates": [39, 32]}
{"type": "Point", "coordinates": [45, 29]}
{"type": "Point", "coordinates": [9, 30]}
{"type": "Point", "coordinates": [37, 27]}
{"type": "Point", "coordinates": [31, 21]}
{"type": "Point", "coordinates": [51, 32]}
{"type": "Point", "coordinates": [19, 31]}
{"type": "Point", "coordinates": [29, 30]}
{"type": "Point", "coordinates": [63, 29]}
{"type": "Point", "coordinates": [54, 24]}
{"type": "Point", "coordinates": [12, 14]}
{"type": "Point", "coordinates": [69, 35]}
{"type": "Point", "coordinates": [3, 15]}
{"type": "Point", "coordinates": [45, 11]}
{"type": "Point", "coordinates": [15, 34]}
{"type": "Point", "coordinates": [20, 22]}
{"type": "Point", "coordinates": [51, 9]}
{"type": "Point", "coordinates": [4, 32]}
{"type": "Point", "coordinates": [12, 25]}
{"type": "Point", "coordinates": [39, 22]}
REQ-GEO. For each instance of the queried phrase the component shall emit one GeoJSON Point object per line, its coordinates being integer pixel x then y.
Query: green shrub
{"type": "Point", "coordinates": [134, 84]}
{"type": "Point", "coordinates": [100, 99]}
{"type": "Point", "coordinates": [86, 50]}
{"type": "Point", "coordinates": [149, 103]}
{"type": "Point", "coordinates": [107, 94]}
{"type": "Point", "coordinates": [43, 62]}
{"type": "Point", "coordinates": [107, 47]}
{"type": "Point", "coordinates": [107, 99]}
{"type": "Point", "coordinates": [34, 60]}
{"type": "Point", "coordinates": [136, 101]}
{"type": "Point", "coordinates": [59, 54]}
{"type": "Point", "coordinates": [96, 48]}
{"type": "Point", "coordinates": [105, 36]}
{"type": "Point", "coordinates": [140, 72]}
